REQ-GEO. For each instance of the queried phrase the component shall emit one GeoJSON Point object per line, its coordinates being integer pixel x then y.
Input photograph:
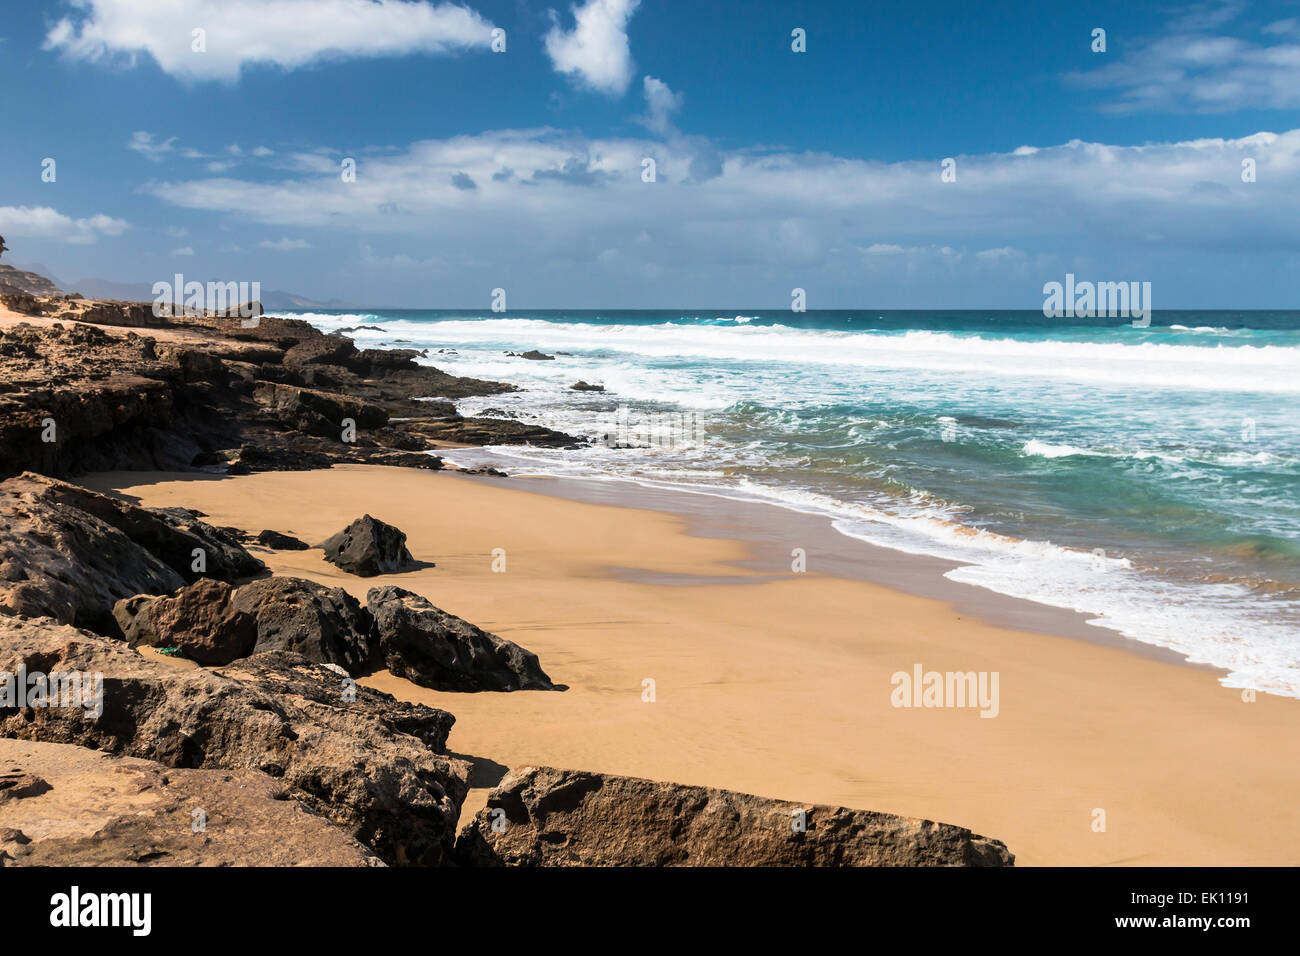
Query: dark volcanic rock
{"type": "Point", "coordinates": [495, 431]}
{"type": "Point", "coordinates": [435, 649]}
{"type": "Point", "coordinates": [71, 554]}
{"type": "Point", "coordinates": [315, 412]}
{"type": "Point", "coordinates": [90, 397]}
{"type": "Point", "coordinates": [325, 625]}
{"type": "Point", "coordinates": [372, 765]}
{"type": "Point", "coordinates": [120, 811]}
{"type": "Point", "coordinates": [532, 354]}
{"type": "Point", "coordinates": [281, 542]}
{"type": "Point", "coordinates": [548, 817]}
{"type": "Point", "coordinates": [584, 387]}
{"type": "Point", "coordinates": [201, 620]}
{"type": "Point", "coordinates": [368, 547]}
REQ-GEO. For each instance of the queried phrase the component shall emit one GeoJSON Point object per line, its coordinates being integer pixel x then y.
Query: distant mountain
{"type": "Point", "coordinates": [272, 300]}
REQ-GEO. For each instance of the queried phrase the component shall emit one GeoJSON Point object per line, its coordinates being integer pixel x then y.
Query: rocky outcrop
{"type": "Point", "coordinates": [324, 625]}
{"type": "Point", "coordinates": [33, 283]}
{"type": "Point", "coordinates": [368, 547]}
{"type": "Point", "coordinates": [361, 759]}
{"type": "Point", "coordinates": [125, 389]}
{"type": "Point", "coordinates": [201, 621]}
{"type": "Point", "coordinates": [533, 355]}
{"type": "Point", "coordinates": [71, 554]}
{"type": "Point", "coordinates": [432, 648]}
{"type": "Point", "coordinates": [539, 816]}
{"type": "Point", "coordinates": [494, 431]}
{"type": "Point", "coordinates": [315, 412]}
{"type": "Point", "coordinates": [281, 542]}
{"type": "Point", "coordinates": [68, 806]}
{"type": "Point", "coordinates": [581, 386]}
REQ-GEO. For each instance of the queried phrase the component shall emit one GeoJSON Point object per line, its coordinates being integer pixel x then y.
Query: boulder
{"type": "Point", "coordinates": [281, 542]}
{"type": "Point", "coordinates": [363, 760]}
{"type": "Point", "coordinates": [71, 554]}
{"type": "Point", "coordinates": [432, 648]}
{"type": "Point", "coordinates": [325, 625]}
{"type": "Point", "coordinates": [200, 619]}
{"type": "Point", "coordinates": [581, 386]}
{"type": "Point", "coordinates": [368, 547]}
{"type": "Point", "coordinates": [549, 817]}
{"type": "Point", "coordinates": [62, 805]}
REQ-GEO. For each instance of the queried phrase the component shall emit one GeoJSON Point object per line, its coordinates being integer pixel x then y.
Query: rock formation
{"type": "Point", "coordinates": [368, 547]}
{"type": "Point", "coordinates": [325, 625]}
{"type": "Point", "coordinates": [68, 806]}
{"type": "Point", "coordinates": [432, 648]}
{"type": "Point", "coordinates": [539, 816]}
{"type": "Point", "coordinates": [200, 620]}
{"type": "Point", "coordinates": [71, 554]}
{"type": "Point", "coordinates": [358, 757]}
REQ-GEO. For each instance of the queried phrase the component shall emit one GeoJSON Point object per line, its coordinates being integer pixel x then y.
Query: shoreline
{"type": "Point", "coordinates": [781, 687]}
{"type": "Point", "coordinates": [839, 555]}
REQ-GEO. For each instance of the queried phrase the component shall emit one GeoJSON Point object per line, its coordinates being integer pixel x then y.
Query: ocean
{"type": "Point", "coordinates": [1149, 477]}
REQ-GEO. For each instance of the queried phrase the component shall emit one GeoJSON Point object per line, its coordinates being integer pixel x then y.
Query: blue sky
{"type": "Point", "coordinates": [522, 170]}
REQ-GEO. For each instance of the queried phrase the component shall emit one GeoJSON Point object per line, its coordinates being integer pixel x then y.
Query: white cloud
{"type": "Point", "coordinates": [43, 222]}
{"type": "Point", "coordinates": [283, 33]}
{"type": "Point", "coordinates": [183, 251]}
{"type": "Point", "coordinates": [573, 210]}
{"type": "Point", "coordinates": [660, 103]}
{"type": "Point", "coordinates": [595, 52]}
{"type": "Point", "coordinates": [285, 245]}
{"type": "Point", "coordinates": [1191, 69]}
{"type": "Point", "coordinates": [151, 149]}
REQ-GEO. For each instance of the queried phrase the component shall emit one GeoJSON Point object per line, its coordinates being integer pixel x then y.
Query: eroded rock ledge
{"type": "Point", "coordinates": [68, 806]}
{"type": "Point", "coordinates": [368, 763]}
{"type": "Point", "coordinates": [124, 389]}
{"type": "Point", "coordinates": [540, 816]}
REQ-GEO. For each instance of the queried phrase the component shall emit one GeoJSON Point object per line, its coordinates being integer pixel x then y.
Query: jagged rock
{"type": "Point", "coordinates": [71, 554]}
{"type": "Point", "coordinates": [325, 625]}
{"type": "Point", "coordinates": [495, 431]}
{"type": "Point", "coordinates": [372, 765]}
{"type": "Point", "coordinates": [315, 412]}
{"type": "Point", "coordinates": [201, 620]}
{"type": "Point", "coordinates": [549, 817]}
{"type": "Point", "coordinates": [533, 355]}
{"type": "Point", "coordinates": [205, 384]}
{"type": "Point", "coordinates": [432, 648]}
{"type": "Point", "coordinates": [368, 547]}
{"type": "Point", "coordinates": [281, 542]}
{"type": "Point", "coordinates": [584, 387]}
{"type": "Point", "coordinates": [94, 809]}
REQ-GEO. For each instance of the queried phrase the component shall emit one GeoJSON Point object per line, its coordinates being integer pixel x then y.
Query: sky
{"type": "Point", "coordinates": [503, 144]}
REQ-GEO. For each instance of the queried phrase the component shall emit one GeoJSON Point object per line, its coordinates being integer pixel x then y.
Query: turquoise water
{"type": "Point", "coordinates": [1148, 477]}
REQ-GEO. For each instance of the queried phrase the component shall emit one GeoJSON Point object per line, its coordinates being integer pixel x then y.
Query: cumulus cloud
{"type": "Point", "coordinates": [43, 222]}
{"type": "Point", "coordinates": [660, 104]}
{"type": "Point", "coordinates": [595, 51]}
{"type": "Point", "coordinates": [576, 210]}
{"type": "Point", "coordinates": [240, 33]}
{"type": "Point", "coordinates": [1192, 68]}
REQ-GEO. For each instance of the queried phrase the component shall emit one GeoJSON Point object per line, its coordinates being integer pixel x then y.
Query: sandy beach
{"type": "Point", "coordinates": [780, 684]}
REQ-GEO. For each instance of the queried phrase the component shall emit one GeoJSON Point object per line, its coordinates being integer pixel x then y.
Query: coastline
{"type": "Point", "coordinates": [779, 684]}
